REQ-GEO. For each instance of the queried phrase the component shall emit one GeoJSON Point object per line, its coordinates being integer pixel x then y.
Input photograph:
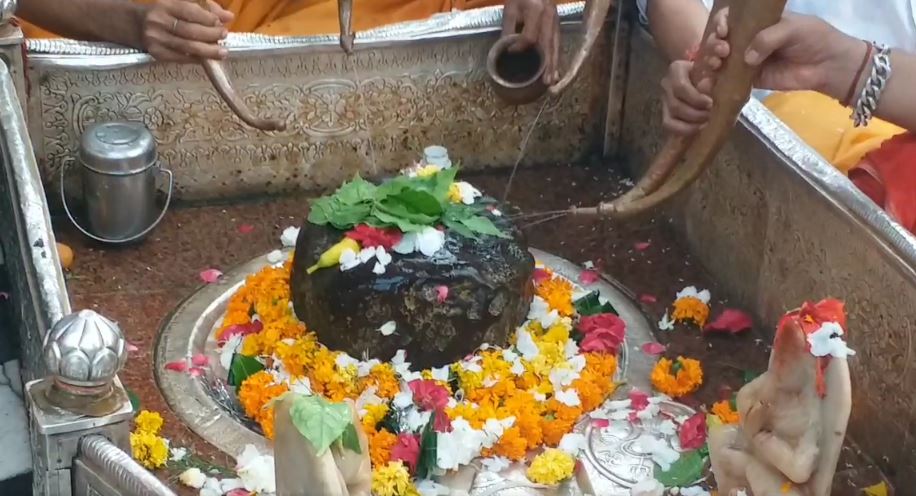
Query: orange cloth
{"type": "Point", "coordinates": [310, 17]}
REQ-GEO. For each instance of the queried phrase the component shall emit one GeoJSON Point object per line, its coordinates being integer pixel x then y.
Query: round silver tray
{"type": "Point", "coordinates": [208, 406]}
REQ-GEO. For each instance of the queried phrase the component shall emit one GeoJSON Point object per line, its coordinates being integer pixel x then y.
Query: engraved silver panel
{"type": "Point", "coordinates": [104, 469]}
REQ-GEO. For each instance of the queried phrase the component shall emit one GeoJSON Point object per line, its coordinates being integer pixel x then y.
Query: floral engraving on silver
{"type": "Point", "coordinates": [85, 349]}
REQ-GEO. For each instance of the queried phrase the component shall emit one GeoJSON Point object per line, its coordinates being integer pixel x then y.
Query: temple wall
{"type": "Point", "coordinates": [777, 225]}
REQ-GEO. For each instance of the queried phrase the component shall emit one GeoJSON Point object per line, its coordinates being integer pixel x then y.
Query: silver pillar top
{"type": "Point", "coordinates": [85, 349]}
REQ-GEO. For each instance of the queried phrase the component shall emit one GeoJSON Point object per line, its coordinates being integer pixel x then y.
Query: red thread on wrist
{"type": "Point", "coordinates": [855, 81]}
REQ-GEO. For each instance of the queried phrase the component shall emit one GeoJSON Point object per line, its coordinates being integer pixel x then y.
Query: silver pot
{"type": "Point", "coordinates": [119, 168]}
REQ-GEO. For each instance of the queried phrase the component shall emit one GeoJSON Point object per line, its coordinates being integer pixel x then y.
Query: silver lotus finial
{"type": "Point", "coordinates": [7, 10]}
{"type": "Point", "coordinates": [85, 350]}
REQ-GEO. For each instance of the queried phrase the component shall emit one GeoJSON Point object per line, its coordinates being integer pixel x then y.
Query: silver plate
{"type": "Point", "coordinates": [209, 407]}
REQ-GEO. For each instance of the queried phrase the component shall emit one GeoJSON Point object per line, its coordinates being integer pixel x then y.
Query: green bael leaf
{"type": "Point", "coordinates": [243, 367]}
{"type": "Point", "coordinates": [685, 471]}
{"type": "Point", "coordinates": [356, 191]}
{"type": "Point", "coordinates": [347, 216]}
{"type": "Point", "coordinates": [590, 304]}
{"type": "Point", "coordinates": [320, 421]}
{"type": "Point", "coordinates": [428, 446]}
{"type": "Point", "coordinates": [442, 182]}
{"type": "Point", "coordinates": [419, 202]}
{"type": "Point", "coordinates": [482, 225]}
{"type": "Point", "coordinates": [350, 439]}
{"type": "Point", "coordinates": [469, 219]}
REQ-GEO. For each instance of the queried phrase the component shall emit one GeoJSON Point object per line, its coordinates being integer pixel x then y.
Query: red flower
{"type": "Point", "coordinates": [407, 450]}
{"type": "Point", "coordinates": [731, 321]}
{"type": "Point", "coordinates": [370, 237]}
{"type": "Point", "coordinates": [653, 349]}
{"type": "Point", "coordinates": [429, 395]}
{"type": "Point", "coordinates": [540, 276]}
{"type": "Point", "coordinates": [692, 432]}
{"type": "Point", "coordinates": [638, 400]}
{"type": "Point", "coordinates": [601, 321]}
{"type": "Point", "coordinates": [602, 341]}
{"type": "Point", "coordinates": [240, 330]}
{"type": "Point", "coordinates": [442, 423]}
{"type": "Point", "coordinates": [588, 276]}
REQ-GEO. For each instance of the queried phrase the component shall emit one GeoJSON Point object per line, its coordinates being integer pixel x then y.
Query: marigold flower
{"type": "Point", "coordinates": [691, 305]}
{"type": "Point", "coordinates": [511, 445]}
{"type": "Point", "coordinates": [392, 479]}
{"type": "Point", "coordinates": [148, 449]}
{"type": "Point", "coordinates": [557, 292]}
{"type": "Point", "coordinates": [677, 378]}
{"type": "Point", "coordinates": [551, 467]}
{"type": "Point", "coordinates": [380, 444]}
{"type": "Point", "coordinates": [148, 422]}
{"type": "Point", "coordinates": [725, 412]}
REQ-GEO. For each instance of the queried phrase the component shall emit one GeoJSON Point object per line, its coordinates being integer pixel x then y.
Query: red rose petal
{"type": "Point", "coordinates": [653, 349]}
{"type": "Point", "coordinates": [441, 293]}
{"type": "Point", "coordinates": [730, 321]}
{"type": "Point", "coordinates": [638, 400]}
{"type": "Point", "coordinates": [601, 423]}
{"type": "Point", "coordinates": [200, 360]}
{"type": "Point", "coordinates": [641, 245]}
{"type": "Point", "coordinates": [648, 299]}
{"type": "Point", "coordinates": [196, 371]}
{"type": "Point", "coordinates": [692, 433]}
{"type": "Point", "coordinates": [177, 366]}
{"type": "Point", "coordinates": [588, 276]}
{"type": "Point", "coordinates": [210, 276]}
{"type": "Point", "coordinates": [540, 275]}
{"type": "Point", "coordinates": [239, 492]}
{"type": "Point", "coordinates": [132, 348]}
{"type": "Point", "coordinates": [245, 228]}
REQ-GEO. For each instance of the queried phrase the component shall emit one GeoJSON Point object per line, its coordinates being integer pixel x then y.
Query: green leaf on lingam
{"type": "Point", "coordinates": [590, 304]}
{"type": "Point", "coordinates": [350, 439]}
{"type": "Point", "coordinates": [428, 446]}
{"type": "Point", "coordinates": [320, 421]}
{"type": "Point", "coordinates": [241, 368]}
{"type": "Point", "coordinates": [469, 221]}
{"type": "Point", "coordinates": [686, 471]}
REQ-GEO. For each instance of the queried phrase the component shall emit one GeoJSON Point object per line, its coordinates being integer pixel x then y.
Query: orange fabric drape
{"type": "Point", "coordinates": [310, 17]}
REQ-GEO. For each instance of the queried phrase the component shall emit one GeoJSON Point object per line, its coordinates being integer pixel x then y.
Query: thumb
{"type": "Point", "coordinates": [768, 41]}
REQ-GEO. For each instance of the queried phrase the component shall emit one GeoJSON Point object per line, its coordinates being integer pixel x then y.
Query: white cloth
{"type": "Point", "coordinates": [889, 22]}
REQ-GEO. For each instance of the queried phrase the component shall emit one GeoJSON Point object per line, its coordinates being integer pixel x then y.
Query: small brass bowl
{"type": "Point", "coordinates": [517, 78]}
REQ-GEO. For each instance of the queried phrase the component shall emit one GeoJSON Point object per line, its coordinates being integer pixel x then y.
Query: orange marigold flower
{"type": "Point", "coordinates": [530, 429]}
{"type": "Point", "coordinates": [254, 393]}
{"type": "Point", "coordinates": [677, 378]}
{"type": "Point", "coordinates": [380, 444]}
{"type": "Point", "coordinates": [384, 379]}
{"type": "Point", "coordinates": [555, 429]}
{"type": "Point", "coordinates": [601, 364]}
{"type": "Point", "coordinates": [511, 445]}
{"type": "Point", "coordinates": [590, 393]}
{"type": "Point", "coordinates": [557, 292]}
{"type": "Point", "coordinates": [725, 412]}
{"type": "Point", "coordinates": [691, 308]}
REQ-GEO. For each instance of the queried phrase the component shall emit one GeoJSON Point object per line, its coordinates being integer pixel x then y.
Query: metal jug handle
{"type": "Point", "coordinates": [165, 208]}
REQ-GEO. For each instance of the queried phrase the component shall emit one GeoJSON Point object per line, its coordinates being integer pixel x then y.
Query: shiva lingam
{"type": "Point", "coordinates": [794, 416]}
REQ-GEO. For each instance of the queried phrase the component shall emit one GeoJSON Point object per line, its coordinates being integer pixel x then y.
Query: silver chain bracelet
{"type": "Point", "coordinates": [871, 93]}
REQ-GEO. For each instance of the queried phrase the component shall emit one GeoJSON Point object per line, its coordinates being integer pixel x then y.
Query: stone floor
{"type": "Point", "coordinates": [138, 286]}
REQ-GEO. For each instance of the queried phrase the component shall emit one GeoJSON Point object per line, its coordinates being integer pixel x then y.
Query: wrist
{"type": "Point", "coordinates": [136, 17]}
{"type": "Point", "coordinates": [840, 71]}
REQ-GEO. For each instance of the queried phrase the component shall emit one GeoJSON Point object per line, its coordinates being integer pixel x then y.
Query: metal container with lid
{"type": "Point", "coordinates": [119, 170]}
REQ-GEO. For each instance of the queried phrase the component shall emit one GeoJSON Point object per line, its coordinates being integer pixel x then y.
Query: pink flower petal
{"type": "Point", "coordinates": [641, 245]}
{"type": "Point", "coordinates": [588, 276]}
{"type": "Point", "coordinates": [132, 348]}
{"type": "Point", "coordinates": [540, 275]}
{"type": "Point", "coordinates": [647, 299]}
{"type": "Point", "coordinates": [638, 400]}
{"type": "Point", "coordinates": [441, 293]}
{"type": "Point", "coordinates": [196, 371]}
{"type": "Point", "coordinates": [240, 330]}
{"type": "Point", "coordinates": [245, 228]}
{"type": "Point", "coordinates": [210, 276]}
{"type": "Point", "coordinates": [653, 349]}
{"type": "Point", "coordinates": [200, 360]}
{"type": "Point", "coordinates": [601, 423]}
{"type": "Point", "coordinates": [730, 321]}
{"type": "Point", "coordinates": [177, 366]}
{"type": "Point", "coordinates": [239, 492]}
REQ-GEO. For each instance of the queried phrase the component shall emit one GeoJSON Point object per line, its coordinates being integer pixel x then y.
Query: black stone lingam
{"type": "Point", "coordinates": [489, 291]}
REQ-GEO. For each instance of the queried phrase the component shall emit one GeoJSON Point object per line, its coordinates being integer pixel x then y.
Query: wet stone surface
{"type": "Point", "coordinates": [138, 286]}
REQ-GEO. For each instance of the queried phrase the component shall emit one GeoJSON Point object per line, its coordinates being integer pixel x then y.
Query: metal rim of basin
{"type": "Point", "coordinates": [187, 331]}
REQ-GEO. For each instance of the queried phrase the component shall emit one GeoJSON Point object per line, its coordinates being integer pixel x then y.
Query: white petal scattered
{"type": "Point", "coordinates": [275, 257]}
{"type": "Point", "coordinates": [228, 350]}
{"type": "Point", "coordinates": [494, 429]}
{"type": "Point", "coordinates": [661, 453]}
{"type": "Point", "coordinates": [525, 344]}
{"type": "Point", "coordinates": [388, 328]}
{"type": "Point", "coordinates": [518, 368]}
{"type": "Point", "coordinates": [459, 446]}
{"type": "Point", "coordinates": [227, 485]}
{"type": "Point", "coordinates": [540, 311]}
{"type": "Point", "coordinates": [467, 192]}
{"type": "Point", "coordinates": [193, 477]}
{"type": "Point", "coordinates": [177, 454]}
{"type": "Point", "coordinates": [440, 374]}
{"type": "Point", "coordinates": [495, 464]}
{"type": "Point", "coordinates": [365, 368]}
{"type": "Point", "coordinates": [348, 259]}
{"type": "Point", "coordinates": [496, 213]}
{"type": "Point", "coordinates": [427, 487]}
{"type": "Point", "coordinates": [618, 404]}
{"type": "Point", "coordinates": [400, 357]}
{"type": "Point", "coordinates": [573, 443]}
{"type": "Point", "coordinates": [301, 386]}
{"type": "Point", "coordinates": [571, 351]}
{"type": "Point", "coordinates": [647, 487]}
{"type": "Point", "coordinates": [562, 377]}
{"type": "Point", "coordinates": [382, 256]}
{"type": "Point", "coordinates": [367, 398]}
{"type": "Point", "coordinates": [211, 487]}
{"type": "Point", "coordinates": [828, 341]}
{"type": "Point", "coordinates": [568, 397]}
{"type": "Point", "coordinates": [289, 236]}
{"type": "Point", "coordinates": [667, 427]}
{"type": "Point", "coordinates": [417, 420]}
{"type": "Point", "coordinates": [430, 240]}
{"type": "Point", "coordinates": [366, 254]}
{"type": "Point", "coordinates": [666, 323]}
{"type": "Point", "coordinates": [344, 360]}
{"type": "Point", "coordinates": [256, 470]}
{"type": "Point", "coordinates": [692, 292]}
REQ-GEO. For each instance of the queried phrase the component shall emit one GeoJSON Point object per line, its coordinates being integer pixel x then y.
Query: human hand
{"type": "Point", "coordinates": [540, 26]}
{"type": "Point", "coordinates": [183, 31]}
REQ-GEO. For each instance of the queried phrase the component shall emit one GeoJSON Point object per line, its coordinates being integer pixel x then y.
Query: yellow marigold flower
{"type": "Point", "coordinates": [148, 422]}
{"type": "Point", "coordinates": [557, 292]}
{"type": "Point", "coordinates": [384, 379]}
{"type": "Point", "coordinates": [551, 467]}
{"type": "Point", "coordinates": [148, 449]}
{"type": "Point", "coordinates": [391, 479]}
{"type": "Point", "coordinates": [678, 378]}
{"type": "Point", "coordinates": [725, 412]}
{"type": "Point", "coordinates": [374, 415]}
{"type": "Point", "coordinates": [691, 305]}
{"type": "Point", "coordinates": [297, 357]}
{"type": "Point", "coordinates": [428, 171]}
{"type": "Point", "coordinates": [454, 193]}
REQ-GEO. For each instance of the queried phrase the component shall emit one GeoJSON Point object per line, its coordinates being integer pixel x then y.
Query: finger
{"type": "Point", "coordinates": [192, 12]}
{"type": "Point", "coordinates": [768, 41]}
{"type": "Point", "coordinates": [510, 19]}
{"type": "Point", "coordinates": [224, 16]}
{"type": "Point", "coordinates": [721, 23]}
{"type": "Point", "coordinates": [165, 54]}
{"type": "Point", "coordinates": [682, 87]}
{"type": "Point", "coordinates": [676, 127]}
{"type": "Point", "coordinates": [199, 32]}
{"type": "Point", "coordinates": [681, 111]}
{"type": "Point", "coordinates": [197, 49]}
{"type": "Point", "coordinates": [717, 47]}
{"type": "Point", "coordinates": [531, 29]}
{"type": "Point", "coordinates": [548, 44]}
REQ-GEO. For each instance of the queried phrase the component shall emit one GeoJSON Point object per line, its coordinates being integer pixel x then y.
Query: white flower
{"type": "Point", "coordinates": [193, 477]}
{"type": "Point", "coordinates": [274, 257]}
{"type": "Point", "coordinates": [667, 427]}
{"type": "Point", "coordinates": [403, 399]}
{"type": "Point", "coordinates": [227, 485]}
{"type": "Point", "coordinates": [344, 360]}
{"type": "Point", "coordinates": [256, 470]}
{"type": "Point", "coordinates": [458, 447]}
{"type": "Point", "coordinates": [694, 491]}
{"type": "Point", "coordinates": [211, 487]}
{"type": "Point", "coordinates": [467, 192]}
{"type": "Point", "coordinates": [649, 412]}
{"type": "Point", "coordinates": [440, 374]}
{"type": "Point", "coordinates": [177, 454]}
{"type": "Point", "coordinates": [518, 368]}
{"type": "Point", "coordinates": [228, 350]}
{"type": "Point", "coordinates": [562, 377]}
{"type": "Point", "coordinates": [495, 464]}
{"type": "Point", "coordinates": [471, 366]}
{"type": "Point", "coordinates": [427, 487]}
{"type": "Point", "coordinates": [658, 449]}
{"type": "Point", "coordinates": [647, 487]}
{"type": "Point", "coordinates": [526, 345]}
{"type": "Point", "coordinates": [428, 242]}
{"type": "Point", "coordinates": [400, 357]}
{"type": "Point", "coordinates": [568, 397]}
{"type": "Point", "coordinates": [827, 341]}
{"type": "Point", "coordinates": [494, 430]}
{"type": "Point", "coordinates": [540, 311]}
{"type": "Point", "coordinates": [573, 443]}
{"type": "Point", "coordinates": [577, 363]}
{"type": "Point", "coordinates": [666, 324]}
{"type": "Point", "coordinates": [301, 385]}
{"type": "Point", "coordinates": [691, 291]}
{"type": "Point", "coordinates": [388, 328]}
{"type": "Point", "coordinates": [417, 420]}
{"type": "Point", "coordinates": [619, 414]}
{"type": "Point", "coordinates": [366, 398]}
{"type": "Point", "coordinates": [571, 350]}
{"type": "Point", "coordinates": [348, 259]}
{"type": "Point", "coordinates": [288, 238]}
{"type": "Point", "coordinates": [365, 368]}
{"type": "Point", "coordinates": [383, 258]}
{"type": "Point", "coordinates": [366, 254]}
{"type": "Point", "coordinates": [509, 355]}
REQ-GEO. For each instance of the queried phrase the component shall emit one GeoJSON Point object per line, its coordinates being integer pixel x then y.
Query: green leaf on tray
{"type": "Point", "coordinates": [428, 446]}
{"type": "Point", "coordinates": [134, 400]}
{"type": "Point", "coordinates": [590, 304]}
{"type": "Point", "coordinates": [350, 439]}
{"type": "Point", "coordinates": [687, 470]}
{"type": "Point", "coordinates": [242, 367]}
{"type": "Point", "coordinates": [320, 421]}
